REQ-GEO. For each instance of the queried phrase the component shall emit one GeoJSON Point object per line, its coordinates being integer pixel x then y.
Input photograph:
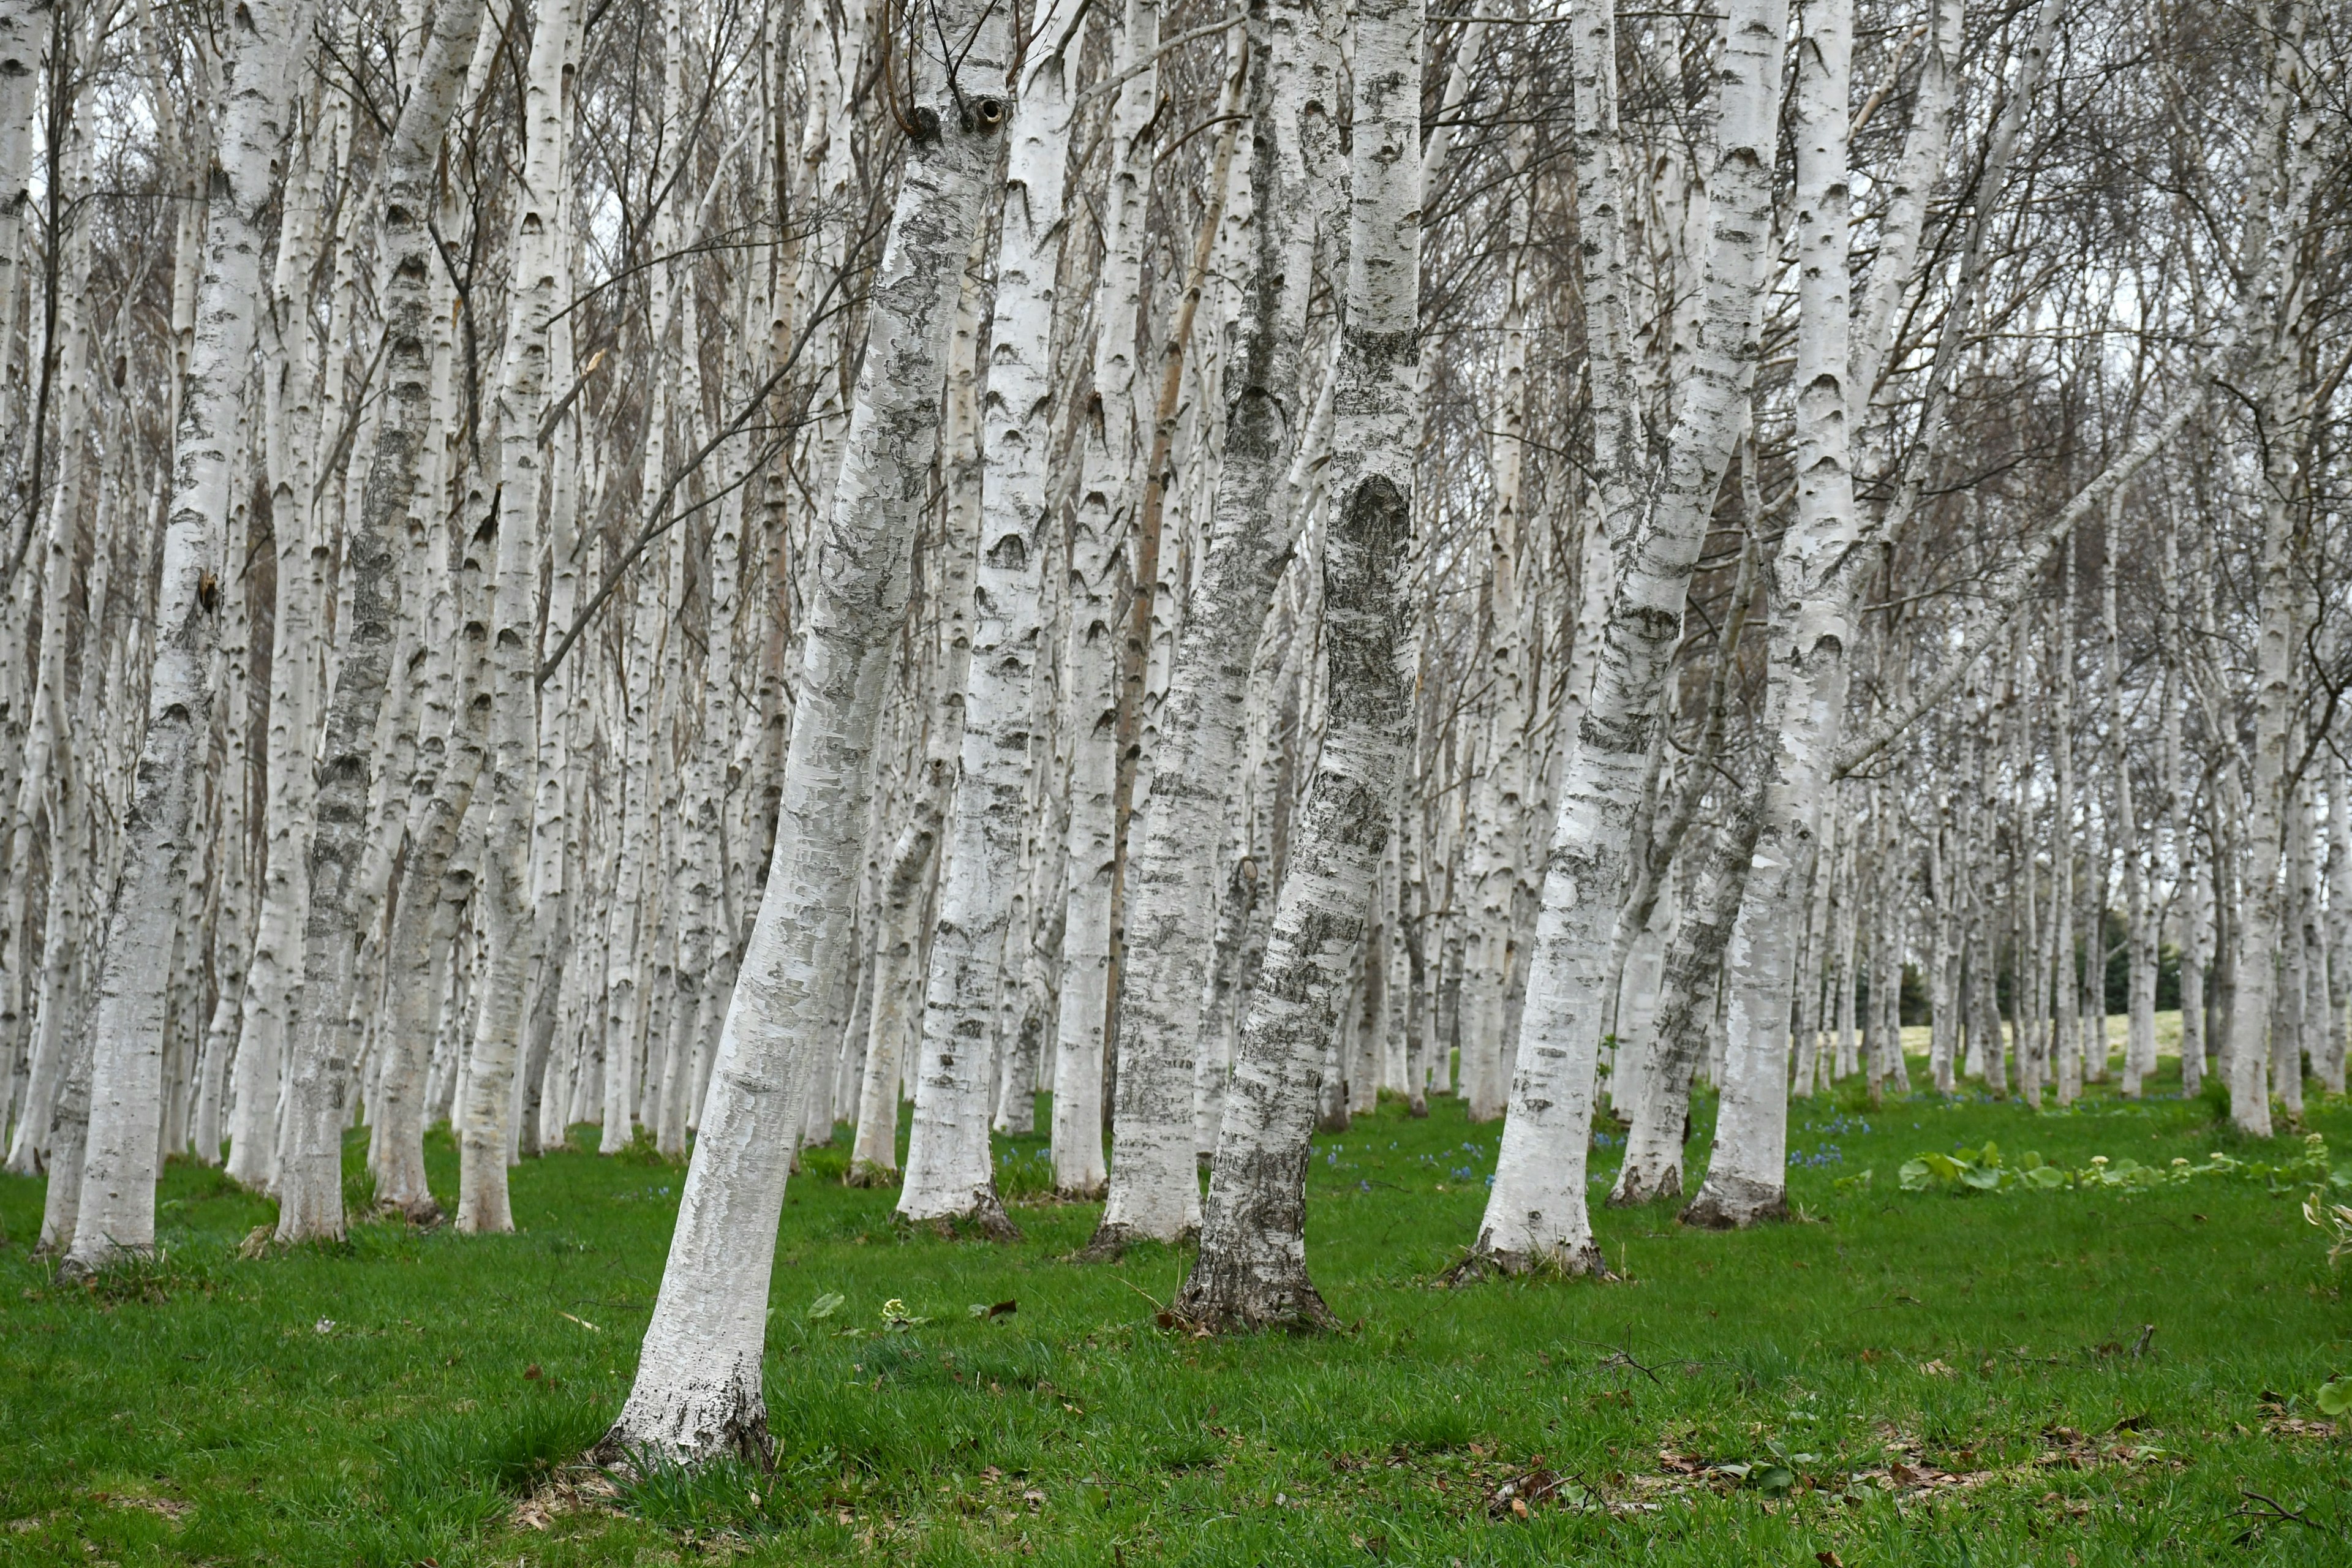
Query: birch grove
{"type": "Point", "coordinates": [709, 582]}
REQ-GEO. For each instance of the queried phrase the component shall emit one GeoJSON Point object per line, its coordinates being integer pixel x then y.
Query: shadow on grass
{"type": "Point", "coordinates": [443, 1480]}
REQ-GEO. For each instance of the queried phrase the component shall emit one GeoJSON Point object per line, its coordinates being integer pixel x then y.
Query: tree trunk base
{"type": "Point", "coordinates": [1582, 1261]}
{"type": "Point", "coordinates": [985, 1218]}
{"type": "Point", "coordinates": [1735, 1203]}
{"type": "Point", "coordinates": [867, 1174]}
{"type": "Point", "coordinates": [424, 1213]}
{"type": "Point", "coordinates": [1110, 1242]}
{"type": "Point", "coordinates": [688, 1427]}
{"type": "Point", "coordinates": [1417, 1107]}
{"type": "Point", "coordinates": [81, 1264]}
{"type": "Point", "coordinates": [1637, 1185]}
{"type": "Point", "coordinates": [1090, 1194]}
{"type": "Point", "coordinates": [1241, 1301]}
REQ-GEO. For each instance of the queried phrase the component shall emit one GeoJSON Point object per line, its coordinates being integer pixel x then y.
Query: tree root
{"type": "Point", "coordinates": [985, 1219]}
{"type": "Point", "coordinates": [1632, 1190]}
{"type": "Point", "coordinates": [1735, 1203]}
{"type": "Point", "coordinates": [1231, 1301]}
{"type": "Point", "coordinates": [1485, 1261]}
{"type": "Point", "coordinates": [424, 1213]}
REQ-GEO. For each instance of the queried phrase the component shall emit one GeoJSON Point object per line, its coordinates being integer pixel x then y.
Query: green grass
{"type": "Point", "coordinates": [378, 1404]}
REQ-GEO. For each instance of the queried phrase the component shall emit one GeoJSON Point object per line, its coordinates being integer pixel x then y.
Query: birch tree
{"type": "Point", "coordinates": [1656, 517]}
{"type": "Point", "coordinates": [116, 1212]}
{"type": "Point", "coordinates": [696, 1391]}
{"type": "Point", "coordinates": [1154, 1186]}
{"type": "Point", "coordinates": [1251, 1271]}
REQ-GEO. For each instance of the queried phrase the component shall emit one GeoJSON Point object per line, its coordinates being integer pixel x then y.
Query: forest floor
{"type": "Point", "coordinates": [2073, 1374]}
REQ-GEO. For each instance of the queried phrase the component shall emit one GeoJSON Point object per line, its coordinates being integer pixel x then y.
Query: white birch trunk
{"type": "Point", "coordinates": [1154, 1187]}
{"type": "Point", "coordinates": [1816, 587]}
{"type": "Point", "coordinates": [1252, 1268]}
{"type": "Point", "coordinates": [1536, 1210]}
{"type": "Point", "coordinates": [542, 251]}
{"type": "Point", "coordinates": [1691, 975]}
{"type": "Point", "coordinates": [117, 1204]}
{"type": "Point", "coordinates": [949, 1171]}
{"type": "Point", "coordinates": [342, 897]}
{"type": "Point", "coordinates": [1495, 812]}
{"type": "Point", "coordinates": [697, 1392]}
{"type": "Point", "coordinates": [275, 972]}
{"type": "Point", "coordinates": [970, 957]}
{"type": "Point", "coordinates": [1108, 493]}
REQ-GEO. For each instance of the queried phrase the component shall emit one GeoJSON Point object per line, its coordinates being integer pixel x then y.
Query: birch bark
{"type": "Point", "coordinates": [2337, 938]}
{"type": "Point", "coordinates": [342, 896]}
{"type": "Point", "coordinates": [542, 249]}
{"type": "Point", "coordinates": [1251, 1272]}
{"type": "Point", "coordinates": [2190, 918]}
{"type": "Point", "coordinates": [1107, 492]}
{"type": "Point", "coordinates": [1497, 813]}
{"type": "Point", "coordinates": [1536, 1210]}
{"type": "Point", "coordinates": [289, 387]}
{"type": "Point", "coordinates": [1693, 972]}
{"type": "Point", "coordinates": [2260, 926]}
{"type": "Point", "coordinates": [44, 763]}
{"type": "Point", "coordinates": [1154, 1186]}
{"type": "Point", "coordinates": [949, 1171]}
{"type": "Point", "coordinates": [116, 1211]}
{"type": "Point", "coordinates": [985, 828]}
{"type": "Point", "coordinates": [697, 1392]}
{"type": "Point", "coordinates": [1815, 582]}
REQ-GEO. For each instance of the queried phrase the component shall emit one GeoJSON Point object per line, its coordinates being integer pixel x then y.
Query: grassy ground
{"type": "Point", "coordinates": [1904, 1378]}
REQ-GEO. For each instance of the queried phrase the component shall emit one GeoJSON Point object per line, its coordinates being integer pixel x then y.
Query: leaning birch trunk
{"type": "Point", "coordinates": [1809, 640]}
{"type": "Point", "coordinates": [65, 1137]}
{"type": "Point", "coordinates": [1536, 1210]}
{"type": "Point", "coordinates": [1154, 1189]}
{"type": "Point", "coordinates": [697, 1393]}
{"type": "Point", "coordinates": [1693, 972]}
{"type": "Point", "coordinates": [1252, 1268]}
{"type": "Point", "coordinates": [342, 905]}
{"type": "Point", "coordinates": [1815, 613]}
{"type": "Point", "coordinates": [897, 913]}
{"type": "Point", "coordinates": [541, 252]}
{"type": "Point", "coordinates": [117, 1201]}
